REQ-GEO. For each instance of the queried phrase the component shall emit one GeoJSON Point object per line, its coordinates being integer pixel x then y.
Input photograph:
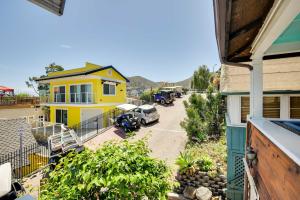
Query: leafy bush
{"type": "Point", "coordinates": [216, 149]}
{"type": "Point", "coordinates": [116, 171]}
{"type": "Point", "coordinates": [205, 116]}
{"type": "Point", "coordinates": [205, 163]}
{"type": "Point", "coordinates": [186, 163]}
{"type": "Point", "coordinates": [148, 95]}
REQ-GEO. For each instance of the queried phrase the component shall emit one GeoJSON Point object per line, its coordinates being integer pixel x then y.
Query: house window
{"type": "Point", "coordinates": [295, 107]}
{"type": "Point", "coordinates": [59, 94]}
{"type": "Point", "coordinates": [61, 116]}
{"type": "Point", "coordinates": [109, 89]}
{"type": "Point", "coordinates": [271, 107]}
{"type": "Point", "coordinates": [81, 93]}
{"type": "Point", "coordinates": [245, 108]}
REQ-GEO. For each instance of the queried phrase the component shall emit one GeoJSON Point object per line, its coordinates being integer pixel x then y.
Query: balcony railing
{"type": "Point", "coordinates": [59, 98]}
{"type": "Point", "coordinates": [250, 191]}
{"type": "Point", "coordinates": [72, 98]}
{"type": "Point", "coordinates": [83, 97]}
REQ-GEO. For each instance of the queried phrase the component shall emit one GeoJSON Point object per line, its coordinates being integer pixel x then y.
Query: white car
{"type": "Point", "coordinates": [146, 114]}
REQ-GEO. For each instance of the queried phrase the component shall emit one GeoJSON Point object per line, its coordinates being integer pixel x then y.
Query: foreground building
{"type": "Point", "coordinates": [77, 95]}
{"type": "Point", "coordinates": [253, 34]}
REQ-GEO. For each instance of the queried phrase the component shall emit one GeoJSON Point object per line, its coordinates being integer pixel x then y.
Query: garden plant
{"type": "Point", "coordinates": [118, 170]}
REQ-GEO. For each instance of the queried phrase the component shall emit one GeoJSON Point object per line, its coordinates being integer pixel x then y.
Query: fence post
{"type": "Point", "coordinates": [97, 123]}
{"type": "Point", "coordinates": [21, 150]}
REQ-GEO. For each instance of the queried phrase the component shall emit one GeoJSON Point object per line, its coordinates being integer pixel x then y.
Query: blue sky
{"type": "Point", "coordinates": [162, 40]}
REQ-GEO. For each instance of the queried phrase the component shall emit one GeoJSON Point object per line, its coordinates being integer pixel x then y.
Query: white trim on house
{"type": "Point", "coordinates": [281, 15]}
{"type": "Point", "coordinates": [234, 107]}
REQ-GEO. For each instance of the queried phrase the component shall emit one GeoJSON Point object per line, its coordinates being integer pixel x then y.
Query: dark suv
{"type": "Point", "coordinates": [128, 122]}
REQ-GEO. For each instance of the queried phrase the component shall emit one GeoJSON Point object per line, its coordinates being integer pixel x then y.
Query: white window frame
{"type": "Point", "coordinates": [108, 83]}
{"type": "Point", "coordinates": [80, 85]}
{"type": "Point", "coordinates": [289, 105]}
{"type": "Point", "coordinates": [57, 86]}
{"type": "Point", "coordinates": [62, 116]}
{"type": "Point", "coordinates": [280, 102]}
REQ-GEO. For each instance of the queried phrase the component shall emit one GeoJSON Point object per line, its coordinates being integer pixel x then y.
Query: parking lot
{"type": "Point", "coordinates": [166, 138]}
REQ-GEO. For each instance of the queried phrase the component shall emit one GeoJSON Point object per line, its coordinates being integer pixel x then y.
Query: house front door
{"type": "Point", "coordinates": [61, 116]}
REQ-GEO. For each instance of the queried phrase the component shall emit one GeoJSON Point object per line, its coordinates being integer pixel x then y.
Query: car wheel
{"type": "Point", "coordinates": [143, 122]}
{"type": "Point", "coordinates": [162, 102]}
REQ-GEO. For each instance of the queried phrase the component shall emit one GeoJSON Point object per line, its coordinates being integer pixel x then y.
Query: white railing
{"type": "Point", "coordinates": [250, 191]}
{"type": "Point", "coordinates": [60, 98]}
{"type": "Point", "coordinates": [83, 97]}
{"type": "Point", "coordinates": [79, 98]}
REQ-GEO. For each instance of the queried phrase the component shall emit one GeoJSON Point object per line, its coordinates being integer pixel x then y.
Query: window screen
{"type": "Point", "coordinates": [295, 107]}
{"type": "Point", "coordinates": [271, 107]}
{"type": "Point", "coordinates": [245, 108]}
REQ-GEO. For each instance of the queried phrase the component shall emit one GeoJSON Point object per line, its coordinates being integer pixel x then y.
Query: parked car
{"type": "Point", "coordinates": [176, 89]}
{"type": "Point", "coordinates": [127, 120]}
{"type": "Point", "coordinates": [164, 97]}
{"type": "Point", "coordinates": [146, 114]}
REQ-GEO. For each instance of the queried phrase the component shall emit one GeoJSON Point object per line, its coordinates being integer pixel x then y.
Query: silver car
{"type": "Point", "coordinates": [146, 114]}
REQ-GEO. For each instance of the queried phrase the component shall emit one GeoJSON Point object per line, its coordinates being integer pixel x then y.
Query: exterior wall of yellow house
{"type": "Point", "coordinates": [74, 112]}
{"type": "Point", "coordinates": [99, 101]}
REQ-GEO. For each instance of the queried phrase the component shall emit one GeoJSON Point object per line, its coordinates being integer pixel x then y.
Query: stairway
{"type": "Point", "coordinates": [64, 141]}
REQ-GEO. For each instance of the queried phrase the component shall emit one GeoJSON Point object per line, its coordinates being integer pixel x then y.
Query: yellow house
{"type": "Point", "coordinates": [79, 94]}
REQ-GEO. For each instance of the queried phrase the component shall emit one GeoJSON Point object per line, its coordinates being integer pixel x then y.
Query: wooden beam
{"type": "Point", "coordinates": [256, 23]}
{"type": "Point", "coordinates": [241, 49]}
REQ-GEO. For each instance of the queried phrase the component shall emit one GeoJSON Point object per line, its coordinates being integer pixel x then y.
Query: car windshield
{"type": "Point", "coordinates": [151, 110]}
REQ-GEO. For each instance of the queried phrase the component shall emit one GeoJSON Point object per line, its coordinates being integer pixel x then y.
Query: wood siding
{"type": "Point", "coordinates": [276, 175]}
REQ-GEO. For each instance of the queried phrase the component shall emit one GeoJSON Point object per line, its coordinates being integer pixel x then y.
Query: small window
{"type": "Point", "coordinates": [271, 107]}
{"type": "Point", "coordinates": [245, 108]}
{"type": "Point", "coordinates": [295, 107]}
{"type": "Point", "coordinates": [109, 89]}
{"type": "Point", "coordinates": [109, 72]}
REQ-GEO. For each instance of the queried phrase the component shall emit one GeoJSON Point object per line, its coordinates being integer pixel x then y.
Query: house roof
{"type": "Point", "coordinates": [276, 78]}
{"type": "Point", "coordinates": [9, 135]}
{"type": "Point", "coordinates": [54, 6]}
{"type": "Point", "coordinates": [236, 25]}
{"type": "Point", "coordinates": [6, 89]}
{"type": "Point", "coordinates": [79, 72]}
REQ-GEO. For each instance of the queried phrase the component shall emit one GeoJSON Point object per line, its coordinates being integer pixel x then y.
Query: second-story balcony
{"type": "Point", "coordinates": [69, 98]}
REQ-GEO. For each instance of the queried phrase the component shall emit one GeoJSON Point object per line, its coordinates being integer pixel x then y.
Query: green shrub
{"type": "Point", "coordinates": [205, 164]}
{"type": "Point", "coordinates": [186, 163]}
{"type": "Point", "coordinates": [121, 170]}
{"type": "Point", "coordinates": [205, 116]}
{"type": "Point", "coordinates": [147, 96]}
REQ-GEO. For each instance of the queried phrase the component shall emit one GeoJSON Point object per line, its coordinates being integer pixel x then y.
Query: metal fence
{"type": "Point", "coordinates": [27, 160]}
{"type": "Point", "coordinates": [88, 129]}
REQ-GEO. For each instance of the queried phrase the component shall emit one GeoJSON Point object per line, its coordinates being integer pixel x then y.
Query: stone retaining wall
{"type": "Point", "coordinates": [217, 184]}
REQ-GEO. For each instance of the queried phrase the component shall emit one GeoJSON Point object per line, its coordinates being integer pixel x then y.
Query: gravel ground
{"type": "Point", "coordinates": [166, 138]}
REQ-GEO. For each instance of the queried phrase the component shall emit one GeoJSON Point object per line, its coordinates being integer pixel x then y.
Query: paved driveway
{"type": "Point", "coordinates": [166, 138]}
